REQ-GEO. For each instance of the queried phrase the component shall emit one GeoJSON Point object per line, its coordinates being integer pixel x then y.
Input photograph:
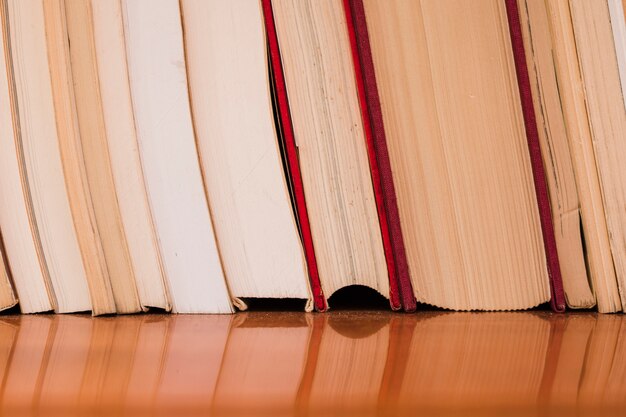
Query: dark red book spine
{"type": "Point", "coordinates": [400, 288]}
{"type": "Point", "coordinates": [292, 156]}
{"type": "Point", "coordinates": [557, 300]}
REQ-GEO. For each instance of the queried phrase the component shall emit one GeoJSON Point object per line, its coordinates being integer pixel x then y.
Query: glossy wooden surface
{"type": "Point", "coordinates": [342, 363]}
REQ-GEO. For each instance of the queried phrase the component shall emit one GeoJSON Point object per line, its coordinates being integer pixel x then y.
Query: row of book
{"type": "Point", "coordinates": [189, 155]}
{"type": "Point", "coordinates": [326, 364]}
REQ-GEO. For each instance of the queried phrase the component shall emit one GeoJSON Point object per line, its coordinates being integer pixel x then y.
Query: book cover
{"type": "Point", "coordinates": [292, 156]}
{"type": "Point", "coordinates": [557, 300]}
{"type": "Point", "coordinates": [400, 287]}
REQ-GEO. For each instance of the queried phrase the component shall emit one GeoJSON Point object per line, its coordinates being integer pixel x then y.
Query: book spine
{"type": "Point", "coordinates": [400, 288]}
{"type": "Point", "coordinates": [292, 156]}
{"type": "Point", "coordinates": [557, 299]}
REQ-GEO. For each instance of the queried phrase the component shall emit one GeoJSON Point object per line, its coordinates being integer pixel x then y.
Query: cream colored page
{"type": "Point", "coordinates": [328, 129]}
{"type": "Point", "coordinates": [557, 159]}
{"type": "Point", "coordinates": [459, 154]}
{"type": "Point", "coordinates": [238, 148]}
{"type": "Point", "coordinates": [618, 25]}
{"type": "Point", "coordinates": [96, 155]}
{"type": "Point", "coordinates": [42, 156]}
{"type": "Point", "coordinates": [74, 167]}
{"type": "Point", "coordinates": [607, 118]}
{"type": "Point", "coordinates": [28, 275]}
{"type": "Point", "coordinates": [174, 183]}
{"type": "Point", "coordinates": [136, 216]}
{"type": "Point", "coordinates": [572, 94]}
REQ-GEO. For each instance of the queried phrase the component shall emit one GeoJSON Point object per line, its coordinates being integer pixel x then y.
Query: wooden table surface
{"type": "Point", "coordinates": [340, 363]}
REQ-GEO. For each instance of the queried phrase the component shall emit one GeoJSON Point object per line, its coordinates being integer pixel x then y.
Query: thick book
{"type": "Point", "coordinates": [238, 148]}
{"type": "Point", "coordinates": [93, 141]}
{"type": "Point", "coordinates": [573, 104]}
{"type": "Point", "coordinates": [29, 275]}
{"type": "Point", "coordinates": [40, 166]}
{"type": "Point", "coordinates": [562, 178]}
{"type": "Point", "coordinates": [463, 175]}
{"type": "Point", "coordinates": [599, 60]}
{"type": "Point", "coordinates": [335, 180]}
{"type": "Point", "coordinates": [557, 299]}
{"type": "Point", "coordinates": [282, 104]}
{"type": "Point", "coordinates": [382, 176]}
{"type": "Point", "coordinates": [97, 276]}
{"type": "Point", "coordinates": [137, 221]}
{"type": "Point", "coordinates": [381, 165]}
{"type": "Point", "coordinates": [169, 156]}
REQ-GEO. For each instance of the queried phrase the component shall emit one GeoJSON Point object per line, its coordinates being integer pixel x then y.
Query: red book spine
{"type": "Point", "coordinates": [292, 156]}
{"type": "Point", "coordinates": [557, 300]}
{"type": "Point", "coordinates": [400, 288]}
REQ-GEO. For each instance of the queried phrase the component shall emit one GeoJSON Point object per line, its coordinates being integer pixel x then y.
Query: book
{"type": "Point", "coordinates": [599, 260]}
{"type": "Point", "coordinates": [196, 156]}
{"type": "Point", "coordinates": [291, 157]}
{"type": "Point", "coordinates": [380, 164]}
{"type": "Point", "coordinates": [134, 210]}
{"type": "Point", "coordinates": [557, 295]}
{"type": "Point", "coordinates": [617, 15]}
{"type": "Point", "coordinates": [29, 275]}
{"type": "Point", "coordinates": [597, 56]}
{"type": "Point", "coordinates": [7, 295]}
{"type": "Point", "coordinates": [40, 166]}
{"type": "Point", "coordinates": [167, 147]}
{"type": "Point", "coordinates": [239, 153]}
{"type": "Point", "coordinates": [70, 147]}
{"type": "Point", "coordinates": [552, 133]}
{"type": "Point", "coordinates": [328, 133]}
{"type": "Point", "coordinates": [459, 153]}
{"type": "Point", "coordinates": [93, 136]}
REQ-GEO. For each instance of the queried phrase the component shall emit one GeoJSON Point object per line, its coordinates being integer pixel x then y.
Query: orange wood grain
{"type": "Point", "coordinates": [282, 364]}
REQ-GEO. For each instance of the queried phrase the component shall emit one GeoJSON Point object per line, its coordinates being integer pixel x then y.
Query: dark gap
{"type": "Point", "coordinates": [421, 307]}
{"type": "Point", "coordinates": [156, 310]}
{"type": "Point", "coordinates": [13, 311]}
{"type": "Point", "coordinates": [543, 307]}
{"type": "Point", "coordinates": [280, 137]}
{"type": "Point", "coordinates": [353, 297]}
{"type": "Point", "coordinates": [357, 297]}
{"type": "Point", "coordinates": [584, 243]}
{"type": "Point", "coordinates": [275, 304]}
